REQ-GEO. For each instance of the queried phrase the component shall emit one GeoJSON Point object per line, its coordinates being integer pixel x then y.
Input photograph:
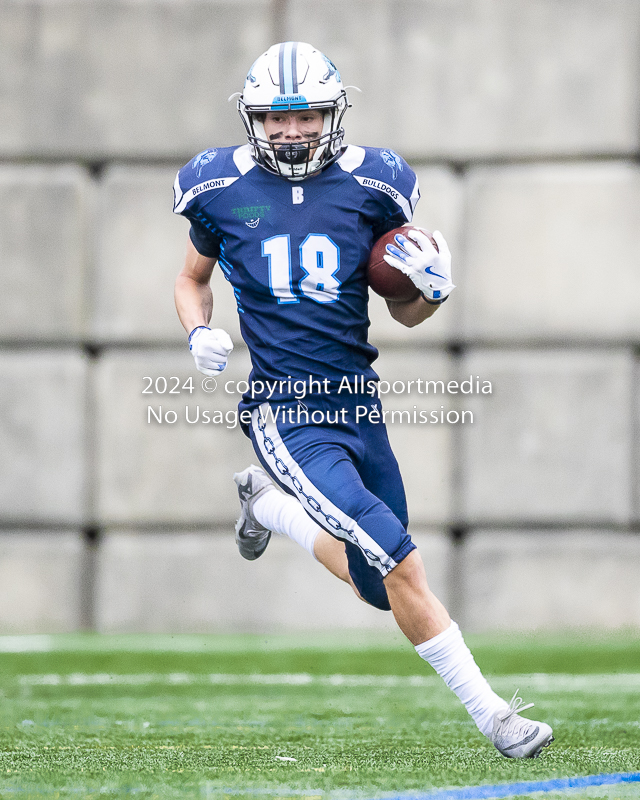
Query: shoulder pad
{"type": "Point", "coordinates": [385, 174]}
{"type": "Point", "coordinates": [209, 171]}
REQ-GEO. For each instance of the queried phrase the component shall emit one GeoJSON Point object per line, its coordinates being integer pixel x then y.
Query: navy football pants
{"type": "Point", "coordinates": [346, 477]}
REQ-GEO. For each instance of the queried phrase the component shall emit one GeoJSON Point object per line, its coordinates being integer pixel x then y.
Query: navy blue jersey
{"type": "Point", "coordinates": [296, 252]}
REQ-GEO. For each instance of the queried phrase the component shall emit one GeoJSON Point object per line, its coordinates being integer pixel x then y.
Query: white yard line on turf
{"type": "Point", "coordinates": [192, 643]}
{"type": "Point", "coordinates": [222, 679]}
{"type": "Point", "coordinates": [600, 684]}
{"type": "Point", "coordinates": [26, 644]}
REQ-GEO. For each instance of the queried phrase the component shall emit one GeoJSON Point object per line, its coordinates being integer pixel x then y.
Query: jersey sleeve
{"type": "Point", "coordinates": [205, 242]}
{"type": "Point", "coordinates": [193, 186]}
{"type": "Point", "coordinates": [392, 184]}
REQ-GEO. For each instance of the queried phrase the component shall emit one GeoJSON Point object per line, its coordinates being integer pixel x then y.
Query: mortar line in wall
{"type": "Point", "coordinates": [462, 165]}
{"type": "Point", "coordinates": [96, 166]}
{"type": "Point", "coordinates": [634, 411]}
{"type": "Point", "coordinates": [91, 532]}
{"type": "Point", "coordinates": [88, 579]}
{"type": "Point", "coordinates": [457, 532]}
{"type": "Point", "coordinates": [279, 17]}
{"type": "Point", "coordinates": [457, 529]}
{"type": "Point", "coordinates": [554, 527]}
{"type": "Point", "coordinates": [455, 573]}
{"type": "Point", "coordinates": [560, 343]}
{"type": "Point", "coordinates": [457, 347]}
{"type": "Point", "coordinates": [96, 347]}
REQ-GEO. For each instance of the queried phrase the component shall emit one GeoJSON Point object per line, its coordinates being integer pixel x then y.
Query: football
{"type": "Point", "coordinates": [385, 280]}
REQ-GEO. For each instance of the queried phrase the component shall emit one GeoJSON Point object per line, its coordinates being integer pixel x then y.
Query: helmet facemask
{"type": "Point", "coordinates": [296, 160]}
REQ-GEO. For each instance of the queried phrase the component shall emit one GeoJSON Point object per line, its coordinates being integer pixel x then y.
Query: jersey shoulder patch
{"type": "Point", "coordinates": [385, 174]}
{"type": "Point", "coordinates": [209, 173]}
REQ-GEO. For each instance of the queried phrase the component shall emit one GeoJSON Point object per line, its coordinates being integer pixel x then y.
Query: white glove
{"type": "Point", "coordinates": [210, 349]}
{"type": "Point", "coordinates": [428, 268]}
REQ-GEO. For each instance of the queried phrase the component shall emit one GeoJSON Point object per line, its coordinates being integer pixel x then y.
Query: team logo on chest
{"type": "Point", "coordinates": [297, 195]}
{"type": "Point", "coordinates": [250, 215]}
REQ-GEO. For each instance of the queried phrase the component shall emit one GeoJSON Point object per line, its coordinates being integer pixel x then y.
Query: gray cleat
{"type": "Point", "coordinates": [516, 737]}
{"type": "Point", "coordinates": [252, 538]}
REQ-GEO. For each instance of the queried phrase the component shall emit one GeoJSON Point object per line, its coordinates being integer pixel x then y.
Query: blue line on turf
{"type": "Point", "coordinates": [525, 787]}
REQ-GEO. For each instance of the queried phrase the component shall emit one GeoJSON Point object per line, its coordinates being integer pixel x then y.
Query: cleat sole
{"type": "Point", "coordinates": [538, 752]}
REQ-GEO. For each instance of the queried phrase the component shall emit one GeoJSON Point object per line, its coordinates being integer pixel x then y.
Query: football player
{"type": "Point", "coordinates": [291, 216]}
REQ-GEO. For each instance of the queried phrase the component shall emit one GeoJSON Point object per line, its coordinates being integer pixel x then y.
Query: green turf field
{"type": "Point", "coordinates": [311, 717]}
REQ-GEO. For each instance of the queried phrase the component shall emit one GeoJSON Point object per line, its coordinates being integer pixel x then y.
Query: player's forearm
{"type": "Point", "coordinates": [194, 302]}
{"type": "Point", "coordinates": [411, 312]}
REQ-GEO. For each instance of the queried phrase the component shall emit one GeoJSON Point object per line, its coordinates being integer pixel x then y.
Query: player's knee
{"type": "Point", "coordinates": [409, 571]}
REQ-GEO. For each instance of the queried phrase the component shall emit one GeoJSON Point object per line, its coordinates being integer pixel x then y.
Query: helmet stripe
{"type": "Point", "coordinates": [287, 63]}
{"type": "Point", "coordinates": [294, 66]}
{"type": "Point", "coordinates": [281, 67]}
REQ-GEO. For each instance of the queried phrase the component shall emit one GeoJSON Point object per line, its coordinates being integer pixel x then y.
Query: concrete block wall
{"type": "Point", "coordinates": [43, 239]}
{"type": "Point", "coordinates": [522, 121]}
{"type": "Point", "coordinates": [276, 594]}
{"type": "Point", "coordinates": [543, 235]}
{"type": "Point", "coordinates": [554, 440]}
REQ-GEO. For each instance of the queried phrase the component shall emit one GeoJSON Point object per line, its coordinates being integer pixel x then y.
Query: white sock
{"type": "Point", "coordinates": [452, 660]}
{"type": "Point", "coordinates": [282, 513]}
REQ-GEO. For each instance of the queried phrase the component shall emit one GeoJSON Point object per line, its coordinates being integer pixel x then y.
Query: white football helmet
{"type": "Point", "coordinates": [293, 76]}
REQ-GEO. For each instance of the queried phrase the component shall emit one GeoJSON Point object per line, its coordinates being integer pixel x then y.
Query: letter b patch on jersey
{"type": "Point", "coordinates": [297, 195]}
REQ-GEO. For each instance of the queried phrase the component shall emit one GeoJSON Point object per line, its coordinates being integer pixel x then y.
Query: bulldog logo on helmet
{"type": "Point", "coordinates": [332, 69]}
